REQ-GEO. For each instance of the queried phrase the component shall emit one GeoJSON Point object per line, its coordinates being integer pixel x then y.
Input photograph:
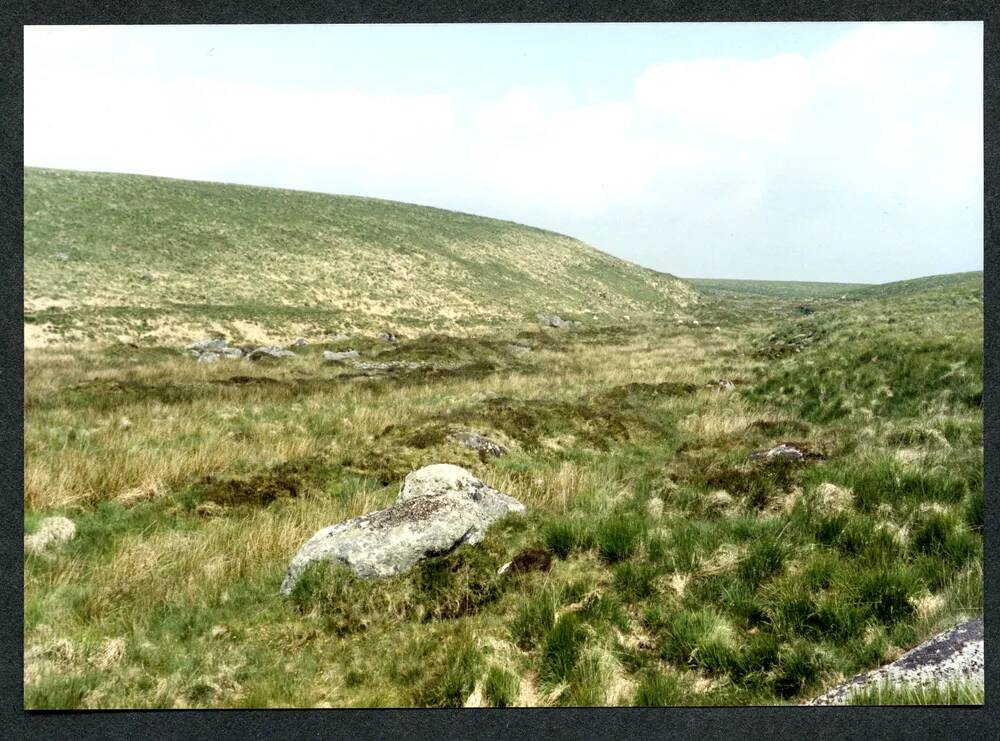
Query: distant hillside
{"type": "Point", "coordinates": [948, 283]}
{"type": "Point", "coordinates": [773, 288]}
{"type": "Point", "coordinates": [110, 256]}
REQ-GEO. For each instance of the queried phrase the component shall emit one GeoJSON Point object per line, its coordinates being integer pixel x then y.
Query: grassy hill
{"type": "Point", "coordinates": [773, 288]}
{"type": "Point", "coordinates": [951, 285]}
{"type": "Point", "coordinates": [260, 262]}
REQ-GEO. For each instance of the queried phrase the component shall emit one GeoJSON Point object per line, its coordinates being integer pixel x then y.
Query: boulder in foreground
{"type": "Point", "coordinates": [439, 508]}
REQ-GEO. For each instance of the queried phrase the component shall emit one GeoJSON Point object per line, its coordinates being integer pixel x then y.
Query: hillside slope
{"type": "Point", "coordinates": [111, 256]}
{"type": "Point", "coordinates": [951, 283]}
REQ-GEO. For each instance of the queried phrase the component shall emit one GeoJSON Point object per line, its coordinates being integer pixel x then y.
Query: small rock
{"type": "Point", "coordinates": [300, 342]}
{"type": "Point", "coordinates": [61, 256]}
{"type": "Point", "coordinates": [214, 343]}
{"type": "Point", "coordinates": [339, 357]}
{"type": "Point", "coordinates": [269, 351]}
{"type": "Point", "coordinates": [518, 349]}
{"type": "Point", "coordinates": [388, 337]}
{"type": "Point", "coordinates": [124, 423]}
{"type": "Point", "coordinates": [723, 384]}
{"type": "Point", "coordinates": [147, 276]}
{"type": "Point", "coordinates": [51, 532]}
{"type": "Point", "coordinates": [553, 320]}
{"type": "Point", "coordinates": [503, 569]}
{"type": "Point", "coordinates": [475, 441]}
{"type": "Point", "coordinates": [780, 452]}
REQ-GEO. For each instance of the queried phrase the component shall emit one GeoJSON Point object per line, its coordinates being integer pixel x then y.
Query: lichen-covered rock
{"type": "Point", "coordinates": [51, 531]}
{"type": "Point", "coordinates": [954, 655]}
{"type": "Point", "coordinates": [439, 508]}
{"type": "Point", "coordinates": [475, 441]}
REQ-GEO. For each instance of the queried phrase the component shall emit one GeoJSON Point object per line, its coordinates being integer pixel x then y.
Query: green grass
{"type": "Point", "coordinates": [681, 572]}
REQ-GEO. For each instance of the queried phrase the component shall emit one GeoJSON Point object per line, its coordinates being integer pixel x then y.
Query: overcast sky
{"type": "Point", "coordinates": [795, 151]}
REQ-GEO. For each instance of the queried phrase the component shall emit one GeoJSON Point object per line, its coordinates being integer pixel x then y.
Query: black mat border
{"type": "Point", "coordinates": [610, 723]}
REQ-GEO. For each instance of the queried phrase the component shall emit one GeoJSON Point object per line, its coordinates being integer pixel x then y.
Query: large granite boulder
{"type": "Point", "coordinates": [439, 508]}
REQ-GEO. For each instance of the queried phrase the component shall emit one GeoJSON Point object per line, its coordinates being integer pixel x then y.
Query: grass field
{"type": "Point", "coordinates": [682, 573]}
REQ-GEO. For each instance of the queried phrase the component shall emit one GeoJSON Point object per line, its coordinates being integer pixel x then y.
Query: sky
{"type": "Point", "coordinates": [788, 151]}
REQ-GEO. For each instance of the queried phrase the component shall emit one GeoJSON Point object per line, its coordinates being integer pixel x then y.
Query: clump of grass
{"type": "Point", "coordinates": [562, 648]}
{"type": "Point", "coordinates": [798, 668]}
{"type": "Point", "coordinates": [659, 690]}
{"type": "Point", "coordinates": [501, 687]}
{"type": "Point", "coordinates": [563, 536]}
{"type": "Point", "coordinates": [702, 638]}
{"type": "Point", "coordinates": [888, 593]}
{"type": "Point", "coordinates": [765, 559]}
{"type": "Point", "coordinates": [535, 618]}
{"type": "Point", "coordinates": [619, 536]}
{"type": "Point", "coordinates": [635, 581]}
{"type": "Point", "coordinates": [449, 680]}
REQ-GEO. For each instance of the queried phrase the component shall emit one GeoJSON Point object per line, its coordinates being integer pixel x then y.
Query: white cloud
{"type": "Point", "coordinates": [887, 118]}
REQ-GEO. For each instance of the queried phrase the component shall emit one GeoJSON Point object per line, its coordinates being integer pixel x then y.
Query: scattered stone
{"type": "Point", "coordinates": [210, 509]}
{"type": "Point", "coordinates": [269, 351]}
{"type": "Point", "coordinates": [954, 655]}
{"type": "Point", "coordinates": [391, 365]}
{"type": "Point", "coordinates": [723, 384]}
{"type": "Point", "coordinates": [214, 344]}
{"type": "Point", "coordinates": [518, 349]}
{"type": "Point", "coordinates": [388, 337]}
{"type": "Point", "coordinates": [51, 532]}
{"type": "Point", "coordinates": [475, 441]}
{"type": "Point", "coordinates": [339, 357]}
{"type": "Point", "coordinates": [780, 452]}
{"type": "Point", "coordinates": [695, 322]}
{"type": "Point", "coordinates": [213, 350]}
{"type": "Point", "coordinates": [300, 342]}
{"type": "Point", "coordinates": [61, 256]}
{"type": "Point", "coordinates": [439, 508]}
{"type": "Point", "coordinates": [554, 320]}
{"type": "Point", "coordinates": [147, 276]}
